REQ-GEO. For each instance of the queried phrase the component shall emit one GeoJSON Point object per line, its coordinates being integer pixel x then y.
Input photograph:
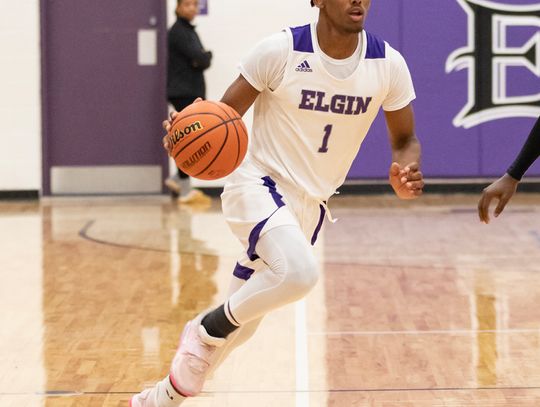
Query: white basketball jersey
{"type": "Point", "coordinates": [310, 128]}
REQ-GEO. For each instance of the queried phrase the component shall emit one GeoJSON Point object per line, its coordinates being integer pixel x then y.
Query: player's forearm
{"type": "Point", "coordinates": [528, 154]}
{"type": "Point", "coordinates": [407, 151]}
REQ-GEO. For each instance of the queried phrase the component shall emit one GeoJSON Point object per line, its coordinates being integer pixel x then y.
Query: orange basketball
{"type": "Point", "coordinates": [209, 140]}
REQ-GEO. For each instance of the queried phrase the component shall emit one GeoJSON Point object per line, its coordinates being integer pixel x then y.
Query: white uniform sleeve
{"type": "Point", "coordinates": [264, 66]}
{"type": "Point", "coordinates": [401, 90]}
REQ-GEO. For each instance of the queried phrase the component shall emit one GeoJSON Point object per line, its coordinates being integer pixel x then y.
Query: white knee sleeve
{"type": "Point", "coordinates": [290, 274]}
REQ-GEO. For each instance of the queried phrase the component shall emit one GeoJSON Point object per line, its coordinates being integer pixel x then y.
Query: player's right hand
{"type": "Point", "coordinates": [408, 181]}
{"type": "Point", "coordinates": [503, 189]}
{"type": "Point", "coordinates": [167, 125]}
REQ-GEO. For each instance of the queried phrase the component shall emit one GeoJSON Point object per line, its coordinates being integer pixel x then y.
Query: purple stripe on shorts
{"type": "Point", "coordinates": [242, 272]}
{"type": "Point", "coordinates": [271, 185]}
{"type": "Point", "coordinates": [254, 238]}
{"type": "Point", "coordinates": [302, 38]}
{"type": "Point", "coordinates": [319, 225]}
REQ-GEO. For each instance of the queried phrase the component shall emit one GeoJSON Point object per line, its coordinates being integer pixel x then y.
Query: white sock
{"type": "Point", "coordinates": [185, 186]}
{"type": "Point", "coordinates": [166, 394]}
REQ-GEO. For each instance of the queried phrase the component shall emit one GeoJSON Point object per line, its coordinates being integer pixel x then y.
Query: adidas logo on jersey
{"type": "Point", "coordinates": [304, 67]}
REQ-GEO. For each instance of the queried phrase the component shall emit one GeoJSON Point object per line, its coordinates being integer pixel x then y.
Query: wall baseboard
{"type": "Point", "coordinates": [19, 194]}
{"type": "Point", "coordinates": [356, 187]}
{"type": "Point", "coordinates": [436, 186]}
{"type": "Point", "coordinates": [433, 185]}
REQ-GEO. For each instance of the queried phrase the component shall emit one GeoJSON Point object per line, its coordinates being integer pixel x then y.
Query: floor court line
{"type": "Point", "coordinates": [434, 332]}
{"type": "Point", "coordinates": [400, 262]}
{"type": "Point", "coordinates": [313, 391]}
{"type": "Point", "coordinates": [302, 360]}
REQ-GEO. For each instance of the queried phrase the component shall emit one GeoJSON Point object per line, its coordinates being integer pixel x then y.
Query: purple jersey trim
{"type": "Point", "coordinates": [376, 48]}
{"type": "Point", "coordinates": [302, 38]}
{"type": "Point", "coordinates": [271, 185]}
{"type": "Point", "coordinates": [242, 272]}
{"type": "Point", "coordinates": [319, 225]}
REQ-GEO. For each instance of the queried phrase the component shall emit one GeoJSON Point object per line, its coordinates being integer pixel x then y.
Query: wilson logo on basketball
{"type": "Point", "coordinates": [178, 135]}
{"type": "Point", "coordinates": [196, 157]}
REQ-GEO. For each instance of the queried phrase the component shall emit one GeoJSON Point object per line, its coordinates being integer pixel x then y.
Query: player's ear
{"type": "Point", "coordinates": [318, 3]}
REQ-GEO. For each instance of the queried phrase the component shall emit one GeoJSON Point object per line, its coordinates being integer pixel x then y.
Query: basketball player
{"type": "Point", "coordinates": [505, 187]}
{"type": "Point", "coordinates": [317, 90]}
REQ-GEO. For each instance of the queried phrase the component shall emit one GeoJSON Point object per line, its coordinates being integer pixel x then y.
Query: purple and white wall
{"type": "Point", "coordinates": [447, 57]}
{"type": "Point", "coordinates": [476, 69]}
{"type": "Point", "coordinates": [20, 105]}
{"type": "Point", "coordinates": [439, 40]}
{"type": "Point", "coordinates": [452, 47]}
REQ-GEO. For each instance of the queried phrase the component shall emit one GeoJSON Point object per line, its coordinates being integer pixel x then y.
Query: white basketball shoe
{"type": "Point", "coordinates": [194, 358]}
{"type": "Point", "coordinates": [147, 398]}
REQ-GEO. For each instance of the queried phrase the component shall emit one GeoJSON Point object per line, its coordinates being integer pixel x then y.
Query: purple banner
{"type": "Point", "coordinates": [203, 7]}
{"type": "Point", "coordinates": [476, 72]}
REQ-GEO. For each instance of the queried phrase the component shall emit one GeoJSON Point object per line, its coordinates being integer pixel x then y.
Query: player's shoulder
{"type": "Point", "coordinates": [274, 44]}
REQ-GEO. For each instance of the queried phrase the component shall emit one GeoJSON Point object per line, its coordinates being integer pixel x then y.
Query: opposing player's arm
{"type": "Point", "coordinates": [505, 187]}
{"type": "Point", "coordinates": [240, 95]}
{"type": "Point", "coordinates": [405, 176]}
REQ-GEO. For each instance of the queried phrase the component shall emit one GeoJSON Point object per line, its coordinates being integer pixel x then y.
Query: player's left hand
{"type": "Point", "coordinates": [408, 181]}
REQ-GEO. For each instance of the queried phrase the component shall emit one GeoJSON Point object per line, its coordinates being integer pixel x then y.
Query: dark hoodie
{"type": "Point", "coordinates": [186, 62]}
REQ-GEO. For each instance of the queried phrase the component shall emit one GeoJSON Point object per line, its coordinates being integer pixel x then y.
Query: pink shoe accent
{"type": "Point", "coordinates": [193, 359]}
{"type": "Point", "coordinates": [175, 385]}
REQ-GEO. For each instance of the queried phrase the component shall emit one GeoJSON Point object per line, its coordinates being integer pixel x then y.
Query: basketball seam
{"type": "Point", "coordinates": [231, 119]}
{"type": "Point", "coordinates": [237, 136]}
{"type": "Point", "coordinates": [202, 134]}
{"type": "Point", "coordinates": [243, 126]}
{"type": "Point", "coordinates": [196, 114]}
{"type": "Point", "coordinates": [218, 153]}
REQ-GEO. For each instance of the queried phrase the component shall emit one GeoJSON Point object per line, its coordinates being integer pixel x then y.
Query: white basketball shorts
{"type": "Point", "coordinates": [255, 201]}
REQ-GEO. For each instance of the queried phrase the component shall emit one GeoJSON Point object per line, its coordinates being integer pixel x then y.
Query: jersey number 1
{"type": "Point", "coordinates": [327, 131]}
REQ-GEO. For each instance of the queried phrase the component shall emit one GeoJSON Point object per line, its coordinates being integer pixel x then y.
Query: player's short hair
{"type": "Point", "coordinates": [312, 4]}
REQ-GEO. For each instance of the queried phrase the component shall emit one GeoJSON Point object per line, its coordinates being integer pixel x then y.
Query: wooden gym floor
{"type": "Point", "coordinates": [419, 304]}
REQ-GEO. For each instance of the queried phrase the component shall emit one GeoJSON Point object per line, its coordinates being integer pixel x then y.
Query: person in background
{"type": "Point", "coordinates": [505, 187]}
{"type": "Point", "coordinates": [187, 60]}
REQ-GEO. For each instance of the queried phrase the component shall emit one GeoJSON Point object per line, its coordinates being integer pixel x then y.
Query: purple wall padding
{"type": "Point", "coordinates": [426, 32]}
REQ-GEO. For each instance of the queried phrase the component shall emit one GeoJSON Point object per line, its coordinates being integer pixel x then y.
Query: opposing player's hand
{"type": "Point", "coordinates": [167, 124]}
{"type": "Point", "coordinates": [408, 181]}
{"type": "Point", "coordinates": [503, 189]}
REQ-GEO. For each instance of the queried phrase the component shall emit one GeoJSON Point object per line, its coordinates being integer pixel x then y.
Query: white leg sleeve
{"type": "Point", "coordinates": [290, 275]}
{"type": "Point", "coordinates": [241, 335]}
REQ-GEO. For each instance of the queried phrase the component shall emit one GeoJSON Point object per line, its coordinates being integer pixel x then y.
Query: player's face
{"type": "Point", "coordinates": [347, 15]}
{"type": "Point", "coordinates": [188, 9]}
